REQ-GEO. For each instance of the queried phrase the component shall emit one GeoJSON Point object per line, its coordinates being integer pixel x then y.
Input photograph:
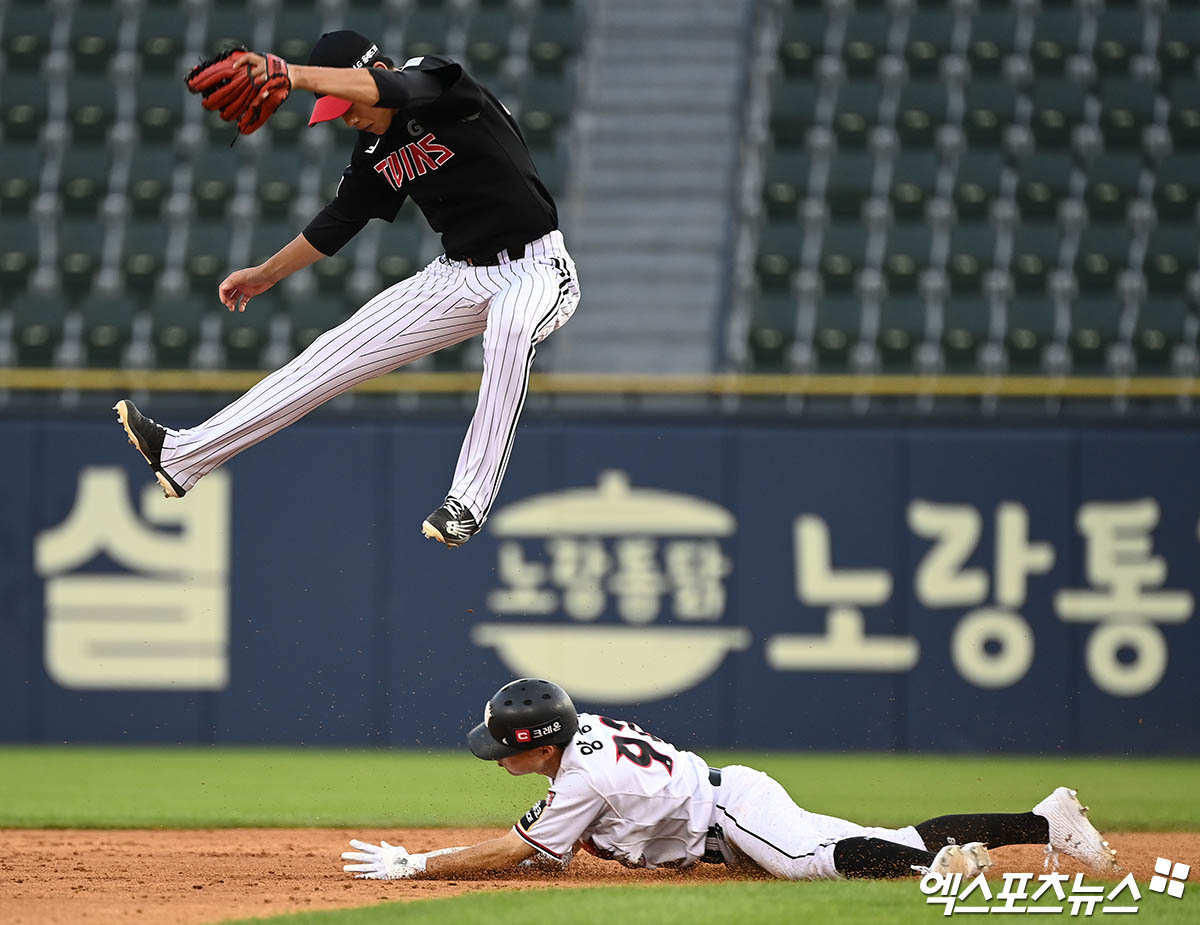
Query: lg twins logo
{"type": "Point", "coordinates": [414, 159]}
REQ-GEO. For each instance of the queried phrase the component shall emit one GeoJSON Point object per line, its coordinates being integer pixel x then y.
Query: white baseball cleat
{"type": "Point", "coordinates": [1072, 833]}
{"type": "Point", "coordinates": [970, 860]}
{"type": "Point", "coordinates": [978, 859]}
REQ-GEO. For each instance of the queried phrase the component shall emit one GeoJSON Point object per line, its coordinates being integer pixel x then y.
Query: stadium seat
{"type": "Point", "coordinates": [295, 32]}
{"type": "Point", "coordinates": [1177, 188]}
{"type": "Point", "coordinates": [37, 327]}
{"type": "Point", "coordinates": [1095, 327]}
{"type": "Point", "coordinates": [20, 177]}
{"type": "Point", "coordinates": [214, 180]}
{"type": "Point", "coordinates": [24, 98]}
{"type": "Point", "coordinates": [488, 36]}
{"type": "Point", "coordinates": [850, 177]}
{"type": "Point", "coordinates": [857, 111]}
{"type": "Point", "coordinates": [1043, 181]}
{"type": "Point", "coordinates": [228, 26]}
{"type": "Point", "coordinates": [1179, 45]}
{"type": "Point", "coordinates": [207, 255]}
{"type": "Point", "coordinates": [1058, 106]}
{"type": "Point", "coordinates": [278, 182]}
{"type": "Point", "coordinates": [26, 35]}
{"type": "Point", "coordinates": [312, 317]}
{"type": "Point", "coordinates": [991, 104]}
{"type": "Point", "coordinates": [1118, 37]}
{"type": "Point", "coordinates": [906, 255]}
{"type": "Point", "coordinates": [977, 182]}
{"type": "Point", "coordinates": [929, 35]}
{"type": "Point", "coordinates": [1184, 120]}
{"type": "Point", "coordinates": [83, 180]}
{"type": "Point", "coordinates": [176, 328]}
{"type": "Point", "coordinates": [1029, 330]}
{"type": "Point", "coordinates": [425, 32]}
{"type": "Point", "coordinates": [914, 183]}
{"type": "Point", "coordinates": [1112, 183]}
{"type": "Point", "coordinates": [93, 38]}
{"type": "Point", "coordinates": [972, 253]}
{"type": "Point", "coordinates": [553, 39]}
{"type": "Point", "coordinates": [785, 181]}
{"type": "Point", "coordinates": [966, 326]}
{"type": "Point", "coordinates": [793, 108]}
{"type": "Point", "coordinates": [150, 176]}
{"type": "Point", "coordinates": [1055, 39]}
{"type": "Point", "coordinates": [160, 102]}
{"type": "Point", "coordinates": [1170, 257]}
{"type": "Point", "coordinates": [843, 253]}
{"type": "Point", "coordinates": [107, 328]}
{"type": "Point", "coordinates": [1128, 107]}
{"type": "Point", "coordinates": [244, 335]}
{"type": "Point", "coordinates": [922, 109]}
{"type": "Point", "coordinates": [80, 248]}
{"type": "Point", "coordinates": [838, 322]}
{"type": "Point", "coordinates": [1035, 253]}
{"type": "Point", "coordinates": [865, 41]}
{"type": "Point", "coordinates": [993, 32]}
{"type": "Point", "coordinates": [18, 254]}
{"type": "Point", "coordinates": [92, 105]}
{"type": "Point", "coordinates": [772, 330]}
{"type": "Point", "coordinates": [1103, 253]}
{"type": "Point", "coordinates": [1160, 326]}
{"type": "Point", "coordinates": [143, 254]}
{"type": "Point", "coordinates": [801, 39]}
{"type": "Point", "coordinates": [902, 326]}
{"type": "Point", "coordinates": [545, 110]}
{"type": "Point", "coordinates": [778, 253]}
{"type": "Point", "coordinates": [160, 39]}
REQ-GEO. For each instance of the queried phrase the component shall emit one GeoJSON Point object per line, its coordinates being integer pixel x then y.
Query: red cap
{"type": "Point", "coordinates": [328, 107]}
{"type": "Point", "coordinates": [339, 49]}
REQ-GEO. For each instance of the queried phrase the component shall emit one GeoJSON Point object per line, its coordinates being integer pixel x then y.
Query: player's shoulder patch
{"type": "Point", "coordinates": [413, 62]}
{"type": "Point", "coordinates": [525, 823]}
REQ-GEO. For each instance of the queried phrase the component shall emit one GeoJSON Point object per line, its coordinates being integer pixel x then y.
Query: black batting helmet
{"type": "Point", "coordinates": [523, 714]}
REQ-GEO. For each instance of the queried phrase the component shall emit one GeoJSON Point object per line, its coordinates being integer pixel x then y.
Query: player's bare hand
{"type": "Point", "coordinates": [240, 286]}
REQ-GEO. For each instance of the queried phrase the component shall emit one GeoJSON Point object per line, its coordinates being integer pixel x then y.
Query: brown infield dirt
{"type": "Point", "coordinates": [50, 876]}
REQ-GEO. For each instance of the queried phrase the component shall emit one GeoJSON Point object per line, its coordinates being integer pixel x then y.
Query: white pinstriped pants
{"type": "Point", "coordinates": [516, 305]}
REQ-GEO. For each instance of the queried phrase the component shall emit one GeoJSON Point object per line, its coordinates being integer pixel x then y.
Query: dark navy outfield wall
{"type": "Point", "coordinates": [766, 584]}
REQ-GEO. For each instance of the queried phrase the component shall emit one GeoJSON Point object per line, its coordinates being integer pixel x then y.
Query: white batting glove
{"type": "Point", "coordinates": [382, 861]}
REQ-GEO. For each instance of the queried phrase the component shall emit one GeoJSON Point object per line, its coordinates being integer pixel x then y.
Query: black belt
{"type": "Point", "coordinates": [714, 776]}
{"type": "Point", "coordinates": [515, 252]}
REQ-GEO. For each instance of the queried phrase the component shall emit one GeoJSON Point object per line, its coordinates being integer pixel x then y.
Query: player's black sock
{"type": "Point", "coordinates": [875, 857]}
{"type": "Point", "coordinates": [993, 829]}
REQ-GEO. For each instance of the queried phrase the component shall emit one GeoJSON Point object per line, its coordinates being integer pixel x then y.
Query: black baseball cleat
{"type": "Point", "coordinates": [451, 524]}
{"type": "Point", "coordinates": [148, 437]}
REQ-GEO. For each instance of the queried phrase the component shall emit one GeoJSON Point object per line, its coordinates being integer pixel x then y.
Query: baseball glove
{"type": "Point", "coordinates": [226, 86]}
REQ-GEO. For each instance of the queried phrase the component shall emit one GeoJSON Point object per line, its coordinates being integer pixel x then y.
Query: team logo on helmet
{"type": "Point", "coordinates": [522, 735]}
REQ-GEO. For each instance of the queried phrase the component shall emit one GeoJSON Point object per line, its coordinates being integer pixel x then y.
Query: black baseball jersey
{"type": "Point", "coordinates": [456, 151]}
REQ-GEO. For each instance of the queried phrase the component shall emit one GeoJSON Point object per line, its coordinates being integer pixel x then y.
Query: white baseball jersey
{"type": "Point", "coordinates": [631, 797]}
{"type": "Point", "coordinates": [627, 795]}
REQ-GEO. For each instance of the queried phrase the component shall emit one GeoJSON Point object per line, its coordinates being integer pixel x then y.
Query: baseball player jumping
{"type": "Point", "coordinates": [621, 793]}
{"type": "Point", "coordinates": [426, 131]}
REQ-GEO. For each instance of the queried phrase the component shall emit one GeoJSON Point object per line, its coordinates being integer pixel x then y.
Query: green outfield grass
{"type": "Point", "coordinates": [831, 902]}
{"type": "Point", "coordinates": [215, 787]}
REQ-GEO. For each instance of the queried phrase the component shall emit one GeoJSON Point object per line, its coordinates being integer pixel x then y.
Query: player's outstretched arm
{"type": "Point", "coordinates": [240, 286]}
{"type": "Point", "coordinates": [347, 83]}
{"type": "Point", "coordinates": [393, 862]}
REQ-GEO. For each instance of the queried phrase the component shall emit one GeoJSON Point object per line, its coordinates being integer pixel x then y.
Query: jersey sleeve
{"type": "Point", "coordinates": [555, 824]}
{"type": "Point", "coordinates": [358, 200]}
{"type": "Point", "coordinates": [430, 86]}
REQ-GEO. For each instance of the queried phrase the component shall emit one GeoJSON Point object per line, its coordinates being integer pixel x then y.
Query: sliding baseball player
{"type": "Point", "coordinates": [623, 794]}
